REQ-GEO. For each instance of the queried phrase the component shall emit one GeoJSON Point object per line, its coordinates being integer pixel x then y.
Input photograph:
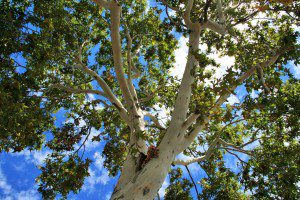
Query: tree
{"type": "Point", "coordinates": [122, 52]}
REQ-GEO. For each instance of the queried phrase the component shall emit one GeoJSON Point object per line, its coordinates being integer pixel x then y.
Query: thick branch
{"type": "Point", "coordinates": [187, 14]}
{"type": "Point", "coordinates": [184, 93]}
{"type": "Point", "coordinates": [191, 135]}
{"type": "Point", "coordinates": [129, 63]}
{"type": "Point", "coordinates": [219, 28]}
{"type": "Point", "coordinates": [220, 12]}
{"type": "Point", "coordinates": [115, 15]}
{"type": "Point", "coordinates": [189, 121]}
{"type": "Point", "coordinates": [207, 23]}
{"type": "Point", "coordinates": [113, 99]}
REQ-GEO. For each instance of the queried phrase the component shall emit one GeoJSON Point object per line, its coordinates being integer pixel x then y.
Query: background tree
{"type": "Point", "coordinates": [122, 52]}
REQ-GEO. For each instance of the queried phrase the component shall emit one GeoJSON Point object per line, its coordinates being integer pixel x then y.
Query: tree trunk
{"type": "Point", "coordinates": [146, 182]}
{"type": "Point", "coordinates": [135, 184]}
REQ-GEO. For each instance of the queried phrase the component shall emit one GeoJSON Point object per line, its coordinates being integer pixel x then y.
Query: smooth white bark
{"type": "Point", "coordinates": [144, 183]}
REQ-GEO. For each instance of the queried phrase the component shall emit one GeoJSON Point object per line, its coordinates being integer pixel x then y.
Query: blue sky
{"type": "Point", "coordinates": [18, 171]}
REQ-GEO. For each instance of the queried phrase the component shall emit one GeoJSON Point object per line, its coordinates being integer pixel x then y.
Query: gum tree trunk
{"type": "Point", "coordinates": [145, 183]}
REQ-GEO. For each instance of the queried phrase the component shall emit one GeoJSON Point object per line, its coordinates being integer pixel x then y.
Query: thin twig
{"type": "Point", "coordinates": [84, 141]}
{"type": "Point", "coordinates": [190, 175]}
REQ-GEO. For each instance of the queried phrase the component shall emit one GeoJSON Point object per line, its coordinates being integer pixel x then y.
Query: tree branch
{"type": "Point", "coordinates": [205, 10]}
{"type": "Point", "coordinates": [189, 121]}
{"type": "Point", "coordinates": [191, 177]}
{"type": "Point", "coordinates": [129, 63]}
{"type": "Point", "coordinates": [103, 3]}
{"type": "Point", "coordinates": [192, 134]}
{"type": "Point", "coordinates": [239, 150]}
{"type": "Point", "coordinates": [219, 28]}
{"type": "Point", "coordinates": [260, 74]}
{"type": "Point", "coordinates": [245, 19]}
{"type": "Point", "coordinates": [234, 147]}
{"type": "Point", "coordinates": [115, 15]}
{"type": "Point", "coordinates": [187, 15]}
{"type": "Point", "coordinates": [170, 6]}
{"type": "Point", "coordinates": [172, 20]}
{"type": "Point", "coordinates": [78, 91]}
{"type": "Point", "coordinates": [207, 155]}
{"type": "Point", "coordinates": [150, 96]}
{"type": "Point", "coordinates": [242, 162]}
{"type": "Point", "coordinates": [101, 101]}
{"type": "Point", "coordinates": [83, 143]}
{"type": "Point", "coordinates": [113, 99]}
{"type": "Point", "coordinates": [155, 120]}
{"type": "Point", "coordinates": [220, 12]}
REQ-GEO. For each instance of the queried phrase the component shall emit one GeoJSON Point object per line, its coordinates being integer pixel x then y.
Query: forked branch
{"type": "Point", "coordinates": [115, 15]}
{"type": "Point", "coordinates": [198, 127]}
{"type": "Point", "coordinates": [207, 155]}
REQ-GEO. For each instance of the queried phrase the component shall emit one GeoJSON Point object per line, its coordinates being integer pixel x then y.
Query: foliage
{"type": "Point", "coordinates": [273, 170]}
{"type": "Point", "coordinates": [179, 187]}
{"type": "Point", "coordinates": [62, 174]}
{"type": "Point", "coordinates": [221, 182]}
{"type": "Point", "coordinates": [58, 56]}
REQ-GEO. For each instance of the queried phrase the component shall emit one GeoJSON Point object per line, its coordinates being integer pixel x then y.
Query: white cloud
{"type": "Point", "coordinates": [91, 97]}
{"type": "Point", "coordinates": [180, 58]}
{"type": "Point", "coordinates": [295, 70]}
{"type": "Point", "coordinates": [27, 195]}
{"type": "Point", "coordinates": [107, 196]}
{"type": "Point", "coordinates": [181, 53]}
{"type": "Point", "coordinates": [4, 186]}
{"type": "Point", "coordinates": [89, 144]}
{"type": "Point", "coordinates": [162, 190]}
{"type": "Point", "coordinates": [98, 176]}
{"type": "Point", "coordinates": [224, 62]}
{"type": "Point", "coordinates": [232, 99]}
{"type": "Point", "coordinates": [148, 6]}
{"type": "Point", "coordinates": [94, 179]}
{"type": "Point", "coordinates": [11, 194]}
{"type": "Point", "coordinates": [104, 178]}
{"type": "Point", "coordinates": [99, 160]}
{"type": "Point", "coordinates": [286, 144]}
{"type": "Point", "coordinates": [183, 157]}
{"type": "Point", "coordinates": [253, 94]}
{"type": "Point", "coordinates": [172, 12]}
{"type": "Point", "coordinates": [163, 113]}
{"type": "Point", "coordinates": [36, 157]}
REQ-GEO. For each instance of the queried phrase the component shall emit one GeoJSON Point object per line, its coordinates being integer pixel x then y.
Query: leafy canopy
{"type": "Point", "coordinates": [45, 44]}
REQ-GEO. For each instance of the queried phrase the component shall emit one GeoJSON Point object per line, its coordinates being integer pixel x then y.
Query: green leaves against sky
{"type": "Point", "coordinates": [40, 43]}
